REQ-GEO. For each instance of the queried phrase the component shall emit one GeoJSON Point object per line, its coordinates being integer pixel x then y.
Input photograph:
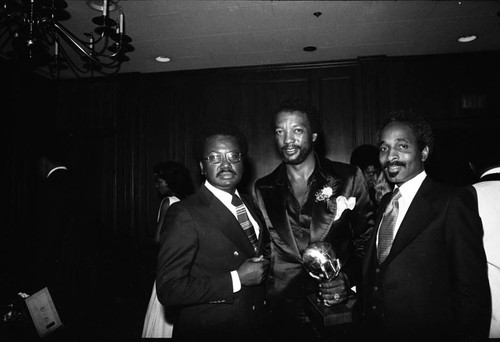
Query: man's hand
{"type": "Point", "coordinates": [335, 290]}
{"type": "Point", "coordinates": [253, 271]}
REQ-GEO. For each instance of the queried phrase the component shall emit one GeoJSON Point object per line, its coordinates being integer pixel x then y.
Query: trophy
{"type": "Point", "coordinates": [323, 264]}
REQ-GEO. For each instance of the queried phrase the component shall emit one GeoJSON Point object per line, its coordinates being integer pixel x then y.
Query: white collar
{"type": "Point", "coordinates": [409, 188]}
{"type": "Point", "coordinates": [55, 169]}
{"type": "Point", "coordinates": [490, 171]}
{"type": "Point", "coordinates": [223, 196]}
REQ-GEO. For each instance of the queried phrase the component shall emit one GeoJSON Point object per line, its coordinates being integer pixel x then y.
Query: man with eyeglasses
{"type": "Point", "coordinates": [214, 249]}
{"type": "Point", "coordinates": [307, 199]}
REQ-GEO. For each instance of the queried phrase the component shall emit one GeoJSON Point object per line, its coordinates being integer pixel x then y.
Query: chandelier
{"type": "Point", "coordinates": [32, 34]}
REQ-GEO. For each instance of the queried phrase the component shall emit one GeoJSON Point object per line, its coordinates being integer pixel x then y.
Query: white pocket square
{"type": "Point", "coordinates": [343, 204]}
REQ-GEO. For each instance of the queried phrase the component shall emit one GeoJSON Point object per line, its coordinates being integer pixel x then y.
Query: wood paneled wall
{"type": "Point", "coordinates": [123, 125]}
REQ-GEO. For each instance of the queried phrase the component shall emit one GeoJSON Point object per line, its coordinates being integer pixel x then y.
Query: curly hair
{"type": "Point", "coordinates": [419, 126]}
{"type": "Point", "coordinates": [177, 177]}
{"type": "Point", "coordinates": [299, 105]}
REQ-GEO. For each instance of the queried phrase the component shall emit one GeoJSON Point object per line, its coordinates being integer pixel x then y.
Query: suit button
{"type": "Point", "coordinates": [253, 307]}
{"type": "Point", "coordinates": [374, 307]}
{"type": "Point", "coordinates": [375, 288]}
{"type": "Point", "coordinates": [236, 253]}
{"type": "Point", "coordinates": [377, 270]}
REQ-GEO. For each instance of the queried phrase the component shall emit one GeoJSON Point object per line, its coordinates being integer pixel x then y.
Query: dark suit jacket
{"type": "Point", "coordinates": [434, 280]}
{"type": "Point", "coordinates": [201, 243]}
{"type": "Point", "coordinates": [287, 274]}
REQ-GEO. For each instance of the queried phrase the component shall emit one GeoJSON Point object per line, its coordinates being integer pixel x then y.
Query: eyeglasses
{"type": "Point", "coordinates": [216, 158]}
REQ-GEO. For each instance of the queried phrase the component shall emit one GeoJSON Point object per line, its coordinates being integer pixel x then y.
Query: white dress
{"type": "Point", "coordinates": [155, 323]}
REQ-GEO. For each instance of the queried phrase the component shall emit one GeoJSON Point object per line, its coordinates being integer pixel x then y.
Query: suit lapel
{"type": "Point", "coordinates": [419, 214]}
{"type": "Point", "coordinates": [217, 215]}
{"type": "Point", "coordinates": [323, 213]}
{"type": "Point", "coordinates": [274, 201]}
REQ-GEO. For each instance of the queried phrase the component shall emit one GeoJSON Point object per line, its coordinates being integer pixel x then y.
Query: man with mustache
{"type": "Point", "coordinates": [214, 249]}
{"type": "Point", "coordinates": [425, 274]}
{"type": "Point", "coordinates": [307, 199]}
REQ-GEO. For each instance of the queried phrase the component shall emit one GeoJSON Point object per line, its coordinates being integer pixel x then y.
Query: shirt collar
{"type": "Point", "coordinates": [224, 196]}
{"type": "Point", "coordinates": [409, 188]}
{"type": "Point", "coordinates": [490, 171]}
{"type": "Point", "coordinates": [55, 169]}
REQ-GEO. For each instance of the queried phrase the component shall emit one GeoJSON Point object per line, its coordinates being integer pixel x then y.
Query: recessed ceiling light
{"type": "Point", "coordinates": [162, 59]}
{"type": "Point", "coordinates": [310, 48]}
{"type": "Point", "coordinates": [467, 39]}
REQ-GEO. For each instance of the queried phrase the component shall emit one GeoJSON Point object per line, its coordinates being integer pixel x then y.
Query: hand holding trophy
{"type": "Point", "coordinates": [323, 264]}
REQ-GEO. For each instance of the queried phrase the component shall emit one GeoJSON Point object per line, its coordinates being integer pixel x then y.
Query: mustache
{"type": "Point", "coordinates": [394, 163]}
{"type": "Point", "coordinates": [286, 147]}
{"type": "Point", "coordinates": [226, 169]}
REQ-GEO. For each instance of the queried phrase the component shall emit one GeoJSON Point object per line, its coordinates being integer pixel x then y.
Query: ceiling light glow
{"type": "Point", "coordinates": [162, 59]}
{"type": "Point", "coordinates": [467, 39]}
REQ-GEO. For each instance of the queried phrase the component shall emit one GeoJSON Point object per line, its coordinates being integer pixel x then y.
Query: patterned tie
{"type": "Point", "coordinates": [245, 223]}
{"type": "Point", "coordinates": [386, 232]}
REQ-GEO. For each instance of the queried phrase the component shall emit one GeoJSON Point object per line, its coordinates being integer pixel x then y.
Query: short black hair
{"type": "Point", "coordinates": [299, 105]}
{"type": "Point", "coordinates": [218, 128]}
{"type": "Point", "coordinates": [364, 156]}
{"type": "Point", "coordinates": [177, 176]}
{"type": "Point", "coordinates": [419, 126]}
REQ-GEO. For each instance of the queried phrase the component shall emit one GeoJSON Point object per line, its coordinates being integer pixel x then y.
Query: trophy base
{"type": "Point", "coordinates": [330, 315]}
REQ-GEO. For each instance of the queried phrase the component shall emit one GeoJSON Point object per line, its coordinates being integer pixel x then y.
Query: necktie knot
{"type": "Point", "coordinates": [236, 201]}
{"type": "Point", "coordinates": [396, 194]}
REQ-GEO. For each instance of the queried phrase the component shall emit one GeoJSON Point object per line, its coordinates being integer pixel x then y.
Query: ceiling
{"type": "Point", "coordinates": [215, 34]}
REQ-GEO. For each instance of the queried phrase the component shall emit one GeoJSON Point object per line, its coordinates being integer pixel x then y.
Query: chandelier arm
{"type": "Point", "coordinates": [74, 41]}
{"type": "Point", "coordinates": [114, 71]}
{"type": "Point", "coordinates": [110, 64]}
{"type": "Point", "coordinates": [76, 70]}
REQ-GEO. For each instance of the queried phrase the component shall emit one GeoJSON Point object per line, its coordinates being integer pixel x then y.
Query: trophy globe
{"type": "Point", "coordinates": [321, 261]}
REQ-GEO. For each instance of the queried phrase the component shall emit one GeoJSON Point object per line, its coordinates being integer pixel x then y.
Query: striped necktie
{"type": "Point", "coordinates": [245, 223]}
{"type": "Point", "coordinates": [387, 226]}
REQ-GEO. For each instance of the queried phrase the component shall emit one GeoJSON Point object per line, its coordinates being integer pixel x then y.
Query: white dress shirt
{"type": "Point", "coordinates": [408, 190]}
{"type": "Point", "coordinates": [226, 198]}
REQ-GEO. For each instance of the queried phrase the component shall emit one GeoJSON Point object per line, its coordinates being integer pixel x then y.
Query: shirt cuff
{"type": "Point", "coordinates": [236, 281]}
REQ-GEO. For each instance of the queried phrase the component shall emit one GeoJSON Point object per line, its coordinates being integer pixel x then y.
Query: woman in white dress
{"type": "Point", "coordinates": [173, 183]}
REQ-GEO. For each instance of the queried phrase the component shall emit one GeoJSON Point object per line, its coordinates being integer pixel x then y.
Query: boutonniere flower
{"type": "Point", "coordinates": [324, 194]}
{"type": "Point", "coordinates": [331, 186]}
{"type": "Point", "coordinates": [340, 203]}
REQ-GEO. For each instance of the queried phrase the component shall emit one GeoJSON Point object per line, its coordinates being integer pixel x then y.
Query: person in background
{"type": "Point", "coordinates": [307, 199]}
{"type": "Point", "coordinates": [484, 159]}
{"type": "Point", "coordinates": [366, 158]}
{"type": "Point", "coordinates": [64, 228]}
{"type": "Point", "coordinates": [424, 273]}
{"type": "Point", "coordinates": [173, 183]}
{"type": "Point", "coordinates": [214, 248]}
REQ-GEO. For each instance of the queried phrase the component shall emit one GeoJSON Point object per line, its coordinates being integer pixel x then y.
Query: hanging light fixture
{"type": "Point", "coordinates": [31, 33]}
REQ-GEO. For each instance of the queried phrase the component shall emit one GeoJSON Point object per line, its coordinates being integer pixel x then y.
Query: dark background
{"type": "Point", "coordinates": [121, 126]}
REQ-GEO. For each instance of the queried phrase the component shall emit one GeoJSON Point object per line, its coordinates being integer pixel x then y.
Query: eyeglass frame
{"type": "Point", "coordinates": [224, 155]}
